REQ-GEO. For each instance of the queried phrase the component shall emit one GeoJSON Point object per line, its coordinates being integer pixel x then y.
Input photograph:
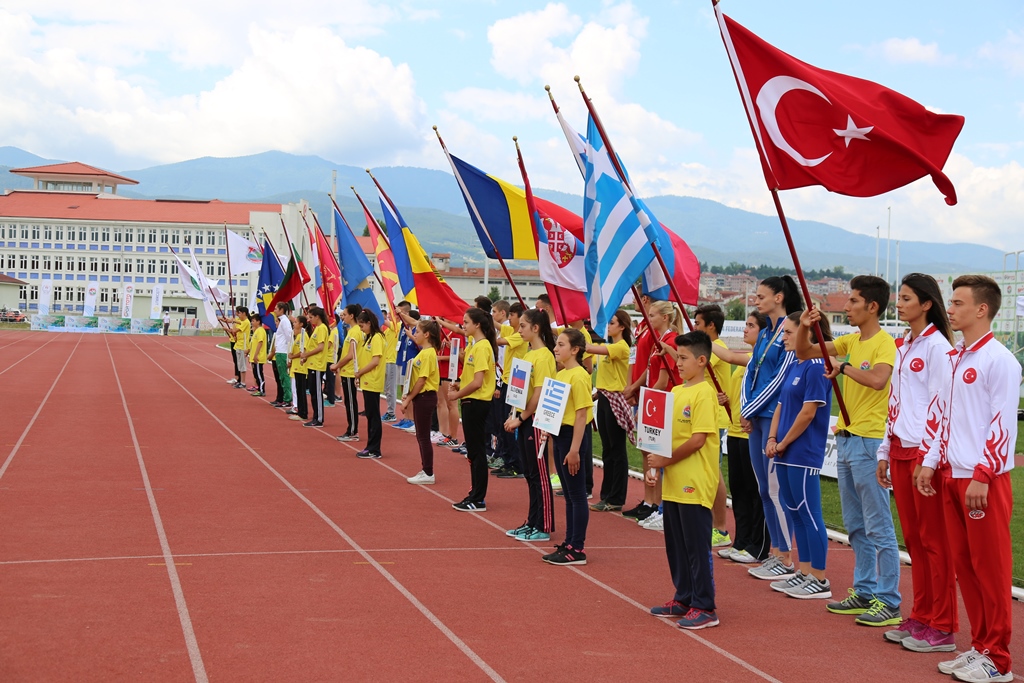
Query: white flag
{"type": "Point", "coordinates": [243, 255]}
{"type": "Point", "coordinates": [45, 294]}
{"type": "Point", "coordinates": [157, 303]}
{"type": "Point", "coordinates": [91, 290]}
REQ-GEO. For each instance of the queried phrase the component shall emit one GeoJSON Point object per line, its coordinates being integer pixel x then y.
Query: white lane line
{"type": "Point", "coordinates": [21, 439]}
{"type": "Point", "coordinates": [195, 657]}
{"type": "Point", "coordinates": [36, 350]}
{"type": "Point", "coordinates": [646, 609]}
{"type": "Point", "coordinates": [331, 551]}
{"type": "Point", "coordinates": [423, 609]}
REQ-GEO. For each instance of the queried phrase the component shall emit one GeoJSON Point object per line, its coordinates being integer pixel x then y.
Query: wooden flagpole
{"type": "Point", "coordinates": [227, 251]}
{"type": "Point", "coordinates": [320, 256]}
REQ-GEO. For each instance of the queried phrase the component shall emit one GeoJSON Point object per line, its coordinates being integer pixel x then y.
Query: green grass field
{"type": "Point", "coordinates": [833, 510]}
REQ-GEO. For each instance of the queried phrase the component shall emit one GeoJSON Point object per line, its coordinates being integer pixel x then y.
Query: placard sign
{"type": "Point", "coordinates": [518, 383]}
{"type": "Point", "coordinates": [554, 396]}
{"type": "Point", "coordinates": [453, 365]}
{"type": "Point", "coordinates": [654, 422]}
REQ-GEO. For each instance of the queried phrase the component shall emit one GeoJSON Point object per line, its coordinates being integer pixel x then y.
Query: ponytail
{"type": "Point", "coordinates": [539, 317]}
{"type": "Point", "coordinates": [785, 285]}
{"type": "Point", "coordinates": [486, 323]}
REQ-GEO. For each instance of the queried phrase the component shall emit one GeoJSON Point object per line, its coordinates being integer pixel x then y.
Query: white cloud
{"type": "Point", "coordinates": [302, 91]}
{"type": "Point", "coordinates": [912, 50]}
{"type": "Point", "coordinates": [499, 105]}
{"type": "Point", "coordinates": [1009, 52]}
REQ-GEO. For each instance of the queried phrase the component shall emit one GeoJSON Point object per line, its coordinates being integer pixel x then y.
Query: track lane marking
{"type": "Point", "coordinates": [194, 655]}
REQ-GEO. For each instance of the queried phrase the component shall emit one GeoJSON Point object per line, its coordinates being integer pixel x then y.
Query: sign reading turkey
{"type": "Point", "coordinates": [654, 422]}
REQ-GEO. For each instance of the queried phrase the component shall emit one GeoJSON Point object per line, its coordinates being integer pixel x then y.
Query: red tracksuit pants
{"type": "Point", "coordinates": [924, 532]}
{"type": "Point", "coordinates": [982, 556]}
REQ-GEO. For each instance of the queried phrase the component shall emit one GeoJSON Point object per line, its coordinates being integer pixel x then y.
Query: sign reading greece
{"type": "Point", "coordinates": [554, 396]}
{"type": "Point", "coordinates": [518, 383]}
{"type": "Point", "coordinates": [654, 422]}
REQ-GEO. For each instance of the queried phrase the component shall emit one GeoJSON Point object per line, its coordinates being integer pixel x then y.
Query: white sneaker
{"type": "Point", "coordinates": [421, 478]}
{"type": "Point", "coordinates": [726, 553]}
{"type": "Point", "coordinates": [982, 670]}
{"type": "Point", "coordinates": [743, 557]}
{"type": "Point", "coordinates": [963, 660]}
{"type": "Point", "coordinates": [655, 522]}
{"type": "Point", "coordinates": [436, 437]}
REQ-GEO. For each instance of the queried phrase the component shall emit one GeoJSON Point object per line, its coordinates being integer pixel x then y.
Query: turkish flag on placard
{"type": "Point", "coordinates": [818, 127]}
{"type": "Point", "coordinates": [653, 409]}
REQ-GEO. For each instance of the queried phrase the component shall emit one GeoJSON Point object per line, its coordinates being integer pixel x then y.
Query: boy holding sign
{"type": "Point", "coordinates": [691, 482]}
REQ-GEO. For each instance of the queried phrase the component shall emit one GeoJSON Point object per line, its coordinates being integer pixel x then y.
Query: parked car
{"type": "Point", "coordinates": [12, 316]}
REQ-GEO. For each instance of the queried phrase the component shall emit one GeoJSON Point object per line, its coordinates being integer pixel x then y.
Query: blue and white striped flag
{"type": "Point", "coordinates": [617, 248]}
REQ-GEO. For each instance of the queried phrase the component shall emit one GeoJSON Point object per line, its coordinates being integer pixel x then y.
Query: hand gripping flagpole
{"type": "Point", "coordinates": [774, 189]}
{"type": "Point", "coordinates": [629, 191]}
{"type": "Point", "coordinates": [479, 218]}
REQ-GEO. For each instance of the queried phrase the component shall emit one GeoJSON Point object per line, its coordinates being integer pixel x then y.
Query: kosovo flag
{"type": "Point", "coordinates": [270, 279]}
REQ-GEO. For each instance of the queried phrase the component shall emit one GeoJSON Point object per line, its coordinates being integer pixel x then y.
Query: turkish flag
{"type": "Point", "coordinates": [818, 127]}
{"type": "Point", "coordinates": [653, 408]}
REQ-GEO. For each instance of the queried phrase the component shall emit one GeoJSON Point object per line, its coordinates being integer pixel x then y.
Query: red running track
{"type": "Point", "coordinates": [161, 526]}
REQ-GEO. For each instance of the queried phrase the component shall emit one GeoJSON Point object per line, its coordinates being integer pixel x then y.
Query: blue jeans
{"type": "Point", "coordinates": [868, 521]}
{"type": "Point", "coordinates": [777, 517]}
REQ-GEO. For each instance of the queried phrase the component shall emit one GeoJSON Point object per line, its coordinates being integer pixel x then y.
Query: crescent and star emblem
{"type": "Point", "coordinates": [647, 408]}
{"type": "Point", "coordinates": [768, 101]}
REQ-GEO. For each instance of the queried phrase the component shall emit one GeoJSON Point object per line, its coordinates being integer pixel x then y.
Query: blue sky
{"type": "Point", "coordinates": [360, 82]}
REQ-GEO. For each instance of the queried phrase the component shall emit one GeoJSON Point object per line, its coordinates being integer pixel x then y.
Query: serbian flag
{"type": "Point", "coordinates": [818, 127]}
{"type": "Point", "coordinates": [331, 289]}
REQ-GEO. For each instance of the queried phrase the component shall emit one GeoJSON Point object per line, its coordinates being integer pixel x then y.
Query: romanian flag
{"type": "Point", "coordinates": [420, 282]}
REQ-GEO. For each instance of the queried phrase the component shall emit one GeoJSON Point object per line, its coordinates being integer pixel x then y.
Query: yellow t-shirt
{"type": "Point", "coordinates": [613, 370]}
{"type": "Point", "coordinates": [694, 480]}
{"type": "Point", "coordinates": [868, 407]}
{"type": "Point", "coordinates": [479, 356]}
{"type": "Point", "coordinates": [425, 365]}
{"type": "Point", "coordinates": [242, 336]}
{"type": "Point", "coordinates": [390, 344]}
{"type": "Point", "coordinates": [374, 379]}
{"type": "Point", "coordinates": [297, 368]}
{"type": "Point", "coordinates": [317, 361]}
{"type": "Point", "coordinates": [332, 345]}
{"type": "Point", "coordinates": [580, 393]}
{"type": "Point", "coordinates": [735, 385]}
{"type": "Point", "coordinates": [543, 366]}
{"type": "Point", "coordinates": [517, 348]}
{"type": "Point", "coordinates": [722, 371]}
{"type": "Point", "coordinates": [354, 334]}
{"type": "Point", "coordinates": [258, 336]}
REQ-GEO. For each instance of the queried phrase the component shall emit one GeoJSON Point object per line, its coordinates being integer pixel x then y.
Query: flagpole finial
{"type": "Point", "coordinates": [435, 128]}
{"type": "Point", "coordinates": [352, 187]}
{"type": "Point", "coordinates": [515, 138]}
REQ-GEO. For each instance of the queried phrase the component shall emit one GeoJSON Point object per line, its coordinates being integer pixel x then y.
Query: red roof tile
{"type": "Point", "coordinates": [72, 168]}
{"type": "Point", "coordinates": [8, 280]}
{"type": "Point", "coordinates": [73, 206]}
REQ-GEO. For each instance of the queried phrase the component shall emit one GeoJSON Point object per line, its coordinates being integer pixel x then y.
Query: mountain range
{"type": "Point", "coordinates": [432, 205]}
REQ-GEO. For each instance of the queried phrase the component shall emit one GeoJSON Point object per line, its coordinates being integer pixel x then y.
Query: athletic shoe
{"type": "Point", "coordinates": [929, 639]}
{"type": "Point", "coordinates": [908, 628]}
{"type": "Point", "coordinates": [672, 608]}
{"type": "Point", "coordinates": [469, 506]}
{"type": "Point", "coordinates": [233, 380]}
{"type": "Point", "coordinates": [461, 450]}
{"type": "Point", "coordinates": [743, 557]}
{"type": "Point", "coordinates": [295, 416]}
{"type": "Point", "coordinates": [697, 619]}
{"type": "Point", "coordinates": [451, 443]}
{"type": "Point", "coordinates": [771, 569]}
{"type": "Point", "coordinates": [851, 604]}
{"type": "Point", "coordinates": [783, 585]}
{"type": "Point", "coordinates": [632, 512]}
{"type": "Point", "coordinates": [556, 483]}
{"type": "Point", "coordinates": [436, 437]}
{"type": "Point", "coordinates": [811, 589]}
{"type": "Point", "coordinates": [880, 614]}
{"type": "Point", "coordinates": [509, 473]}
{"type": "Point", "coordinates": [656, 522]}
{"type": "Point", "coordinates": [411, 429]}
{"type": "Point", "coordinates": [368, 455]}
{"type": "Point", "coordinates": [963, 661]}
{"type": "Point", "coordinates": [238, 385]}
{"type": "Point", "coordinates": [291, 411]}
{"type": "Point", "coordinates": [982, 669]}
{"type": "Point", "coordinates": [533, 536]}
{"type": "Point", "coordinates": [605, 506]}
{"type": "Point", "coordinates": [565, 556]}
{"type": "Point", "coordinates": [590, 496]}
{"type": "Point", "coordinates": [252, 388]}
{"type": "Point", "coordinates": [727, 552]}
{"type": "Point", "coordinates": [312, 423]}
{"type": "Point", "coordinates": [495, 463]}
{"type": "Point", "coordinates": [421, 478]}
{"type": "Point", "coordinates": [348, 437]}
{"type": "Point", "coordinates": [388, 417]}
{"type": "Point", "coordinates": [257, 394]}
{"type": "Point", "coordinates": [521, 529]}
{"type": "Point", "coordinates": [403, 424]}
{"type": "Point", "coordinates": [718, 539]}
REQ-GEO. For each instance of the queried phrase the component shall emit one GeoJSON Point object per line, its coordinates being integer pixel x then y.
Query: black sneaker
{"type": "Point", "coordinates": [312, 423]}
{"type": "Point", "coordinates": [566, 555]}
{"type": "Point", "coordinates": [509, 473]}
{"type": "Point", "coordinates": [368, 455]}
{"type": "Point", "coordinates": [558, 549]}
{"type": "Point", "coordinates": [633, 512]}
{"type": "Point", "coordinates": [646, 512]}
{"type": "Point", "coordinates": [470, 506]}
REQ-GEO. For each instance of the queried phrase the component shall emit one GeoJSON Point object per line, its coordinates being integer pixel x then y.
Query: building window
{"type": "Point", "coordinates": [58, 233]}
{"type": "Point", "coordinates": [80, 294]}
{"type": "Point", "coordinates": [140, 266]}
{"type": "Point", "coordinates": [81, 264]}
{"type": "Point", "coordinates": [35, 232]}
{"type": "Point", "coordinates": [198, 239]}
{"type": "Point", "coordinates": [33, 293]}
{"type": "Point", "coordinates": [220, 268]}
{"type": "Point", "coordinates": [117, 265]}
{"type": "Point", "coordinates": [104, 265]}
{"type": "Point", "coordinates": [163, 266]}
{"type": "Point", "coordinates": [81, 233]}
{"type": "Point", "coordinates": [22, 293]}
{"type": "Point", "coordinates": [105, 233]}
{"type": "Point", "coordinates": [152, 236]}
{"type": "Point", "coordinates": [23, 261]}
{"type": "Point", "coordinates": [47, 232]}
{"type": "Point", "coordinates": [58, 263]}
{"type": "Point", "coordinates": [3, 231]}
{"type": "Point", "coordinates": [151, 266]}
{"type": "Point", "coordinates": [35, 262]}
{"type": "Point", "coordinates": [104, 295]}
{"type": "Point", "coordinates": [115, 297]}
{"type": "Point", "coordinates": [175, 237]}
{"type": "Point", "coordinates": [117, 235]}
{"type": "Point", "coordinates": [58, 294]}
{"type": "Point", "coordinates": [129, 235]}
{"type": "Point", "coordinates": [24, 232]}
{"type": "Point", "coordinates": [46, 262]}
{"type": "Point", "coordinates": [10, 261]}
{"type": "Point", "coordinates": [211, 238]}
{"type": "Point", "coordinates": [94, 264]}
{"type": "Point", "coordinates": [94, 234]}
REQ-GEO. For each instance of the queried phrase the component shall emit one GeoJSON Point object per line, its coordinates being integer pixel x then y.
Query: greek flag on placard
{"type": "Point", "coordinates": [618, 250]}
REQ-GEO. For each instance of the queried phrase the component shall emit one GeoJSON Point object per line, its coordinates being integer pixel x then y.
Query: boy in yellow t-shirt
{"type": "Point", "coordinates": [688, 492]}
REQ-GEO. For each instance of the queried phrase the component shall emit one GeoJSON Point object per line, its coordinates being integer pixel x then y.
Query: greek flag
{"type": "Point", "coordinates": [618, 248]}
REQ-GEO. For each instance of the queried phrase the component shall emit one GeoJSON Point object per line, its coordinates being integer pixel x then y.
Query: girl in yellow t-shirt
{"type": "Point", "coordinates": [258, 355]}
{"type": "Point", "coordinates": [572, 447]}
{"type": "Point", "coordinates": [315, 360]}
{"type": "Point", "coordinates": [614, 415]}
{"type": "Point", "coordinates": [370, 378]}
{"type": "Point", "coordinates": [476, 391]}
{"type": "Point", "coordinates": [535, 329]}
{"type": "Point", "coordinates": [424, 378]}
{"type": "Point", "coordinates": [298, 370]}
{"type": "Point", "coordinates": [345, 367]}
